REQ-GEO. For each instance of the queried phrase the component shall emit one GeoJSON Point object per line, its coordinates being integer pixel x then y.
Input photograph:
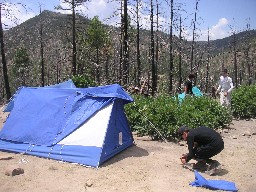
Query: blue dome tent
{"type": "Point", "coordinates": [80, 125]}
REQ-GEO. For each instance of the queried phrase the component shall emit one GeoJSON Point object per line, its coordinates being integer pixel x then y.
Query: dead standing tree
{"type": "Point", "coordinates": [207, 63]}
{"type": "Point", "coordinates": [5, 69]}
{"type": "Point", "coordinates": [73, 5]}
{"type": "Point", "coordinates": [180, 52]}
{"type": "Point", "coordinates": [124, 56]}
{"type": "Point", "coordinates": [41, 51]}
{"type": "Point", "coordinates": [247, 51]}
{"type": "Point", "coordinates": [235, 58]}
{"type": "Point", "coordinates": [152, 48]}
{"type": "Point", "coordinates": [193, 38]}
{"type": "Point", "coordinates": [138, 76]}
{"type": "Point", "coordinates": [157, 44]}
{"type": "Point", "coordinates": [171, 50]}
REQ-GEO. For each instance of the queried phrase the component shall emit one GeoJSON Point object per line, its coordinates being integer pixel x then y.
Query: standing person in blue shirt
{"type": "Point", "coordinates": [225, 87]}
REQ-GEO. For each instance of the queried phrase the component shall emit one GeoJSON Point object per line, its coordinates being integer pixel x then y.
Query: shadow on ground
{"type": "Point", "coordinates": [133, 151]}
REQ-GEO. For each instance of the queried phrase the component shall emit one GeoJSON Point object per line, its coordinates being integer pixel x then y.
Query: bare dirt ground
{"type": "Point", "coordinates": [148, 166]}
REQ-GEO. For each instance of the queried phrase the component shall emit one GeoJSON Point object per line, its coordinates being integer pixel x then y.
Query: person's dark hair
{"type": "Point", "coordinates": [183, 129]}
{"type": "Point", "coordinates": [225, 71]}
{"type": "Point", "coordinates": [191, 76]}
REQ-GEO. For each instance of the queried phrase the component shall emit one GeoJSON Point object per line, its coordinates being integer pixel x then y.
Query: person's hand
{"type": "Point", "coordinates": [183, 158]}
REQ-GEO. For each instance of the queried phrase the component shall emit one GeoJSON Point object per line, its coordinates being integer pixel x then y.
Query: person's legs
{"type": "Point", "coordinates": [222, 98]}
{"type": "Point", "coordinates": [203, 155]}
{"type": "Point", "coordinates": [228, 100]}
{"type": "Point", "coordinates": [205, 152]}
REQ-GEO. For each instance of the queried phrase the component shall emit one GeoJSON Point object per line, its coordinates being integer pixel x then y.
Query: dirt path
{"type": "Point", "coordinates": [148, 166]}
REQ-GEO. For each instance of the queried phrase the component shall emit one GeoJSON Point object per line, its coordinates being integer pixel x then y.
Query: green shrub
{"type": "Point", "coordinates": [161, 116]}
{"type": "Point", "coordinates": [243, 103]}
{"type": "Point", "coordinates": [198, 111]}
{"type": "Point", "coordinates": [83, 81]}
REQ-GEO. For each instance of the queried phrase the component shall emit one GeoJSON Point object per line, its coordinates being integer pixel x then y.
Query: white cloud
{"type": "Point", "coordinates": [218, 31]}
{"type": "Point", "coordinates": [15, 14]}
{"type": "Point", "coordinates": [105, 10]}
{"type": "Point", "coordinates": [101, 8]}
{"type": "Point", "coordinates": [221, 22]}
{"type": "Point", "coordinates": [65, 8]}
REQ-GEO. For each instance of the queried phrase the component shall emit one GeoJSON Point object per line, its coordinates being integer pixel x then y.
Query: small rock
{"type": "Point", "coordinates": [246, 134]}
{"type": "Point", "coordinates": [6, 157]}
{"type": "Point", "coordinates": [53, 168]}
{"type": "Point", "coordinates": [12, 171]}
{"type": "Point", "coordinates": [234, 137]}
{"type": "Point", "coordinates": [88, 183]}
{"type": "Point", "coordinates": [145, 138]}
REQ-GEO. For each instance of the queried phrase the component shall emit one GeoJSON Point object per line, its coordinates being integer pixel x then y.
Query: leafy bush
{"type": "Point", "coordinates": [243, 103]}
{"type": "Point", "coordinates": [83, 81]}
{"type": "Point", "coordinates": [160, 117]}
{"type": "Point", "coordinates": [198, 111]}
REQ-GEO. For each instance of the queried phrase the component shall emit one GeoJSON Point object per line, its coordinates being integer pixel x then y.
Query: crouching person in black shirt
{"type": "Point", "coordinates": [203, 143]}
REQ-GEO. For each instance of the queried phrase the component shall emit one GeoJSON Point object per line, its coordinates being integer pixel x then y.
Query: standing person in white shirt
{"type": "Point", "coordinates": [225, 88]}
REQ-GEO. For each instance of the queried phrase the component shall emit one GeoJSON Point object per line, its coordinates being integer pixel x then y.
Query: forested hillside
{"type": "Point", "coordinates": [43, 45]}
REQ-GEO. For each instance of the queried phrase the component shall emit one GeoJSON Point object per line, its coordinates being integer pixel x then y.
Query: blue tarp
{"type": "Point", "coordinates": [63, 109]}
{"type": "Point", "coordinates": [196, 92]}
{"type": "Point", "coordinates": [66, 84]}
{"type": "Point", "coordinates": [200, 181]}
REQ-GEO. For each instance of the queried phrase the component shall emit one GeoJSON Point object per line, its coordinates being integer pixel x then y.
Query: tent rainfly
{"type": "Point", "coordinates": [80, 125]}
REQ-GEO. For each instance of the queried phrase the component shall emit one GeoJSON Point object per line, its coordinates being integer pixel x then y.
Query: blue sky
{"type": "Point", "coordinates": [221, 17]}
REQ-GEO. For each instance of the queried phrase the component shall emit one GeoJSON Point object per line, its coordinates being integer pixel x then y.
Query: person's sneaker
{"type": "Point", "coordinates": [200, 166]}
{"type": "Point", "coordinates": [213, 167]}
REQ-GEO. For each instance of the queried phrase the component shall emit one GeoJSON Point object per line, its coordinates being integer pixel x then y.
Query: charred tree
{"type": "Point", "coordinates": [180, 52]}
{"type": "Point", "coordinates": [152, 48]}
{"type": "Point", "coordinates": [138, 76]}
{"type": "Point", "coordinates": [41, 52]}
{"type": "Point", "coordinates": [125, 45]}
{"type": "Point", "coordinates": [235, 59]}
{"type": "Point", "coordinates": [193, 38]}
{"type": "Point", "coordinates": [157, 44]}
{"type": "Point", "coordinates": [5, 69]}
{"type": "Point", "coordinates": [171, 50]}
{"type": "Point", "coordinates": [73, 4]}
{"type": "Point", "coordinates": [207, 64]}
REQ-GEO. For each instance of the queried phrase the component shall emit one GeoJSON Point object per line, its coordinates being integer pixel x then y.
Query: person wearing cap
{"type": "Point", "coordinates": [203, 143]}
{"type": "Point", "coordinates": [225, 87]}
{"type": "Point", "coordinates": [189, 84]}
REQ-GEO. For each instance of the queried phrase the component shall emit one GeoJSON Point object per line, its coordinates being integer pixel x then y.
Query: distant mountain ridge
{"type": "Point", "coordinates": [53, 23]}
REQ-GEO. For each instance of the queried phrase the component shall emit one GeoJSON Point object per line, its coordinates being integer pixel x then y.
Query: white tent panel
{"type": "Point", "coordinates": [92, 132]}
